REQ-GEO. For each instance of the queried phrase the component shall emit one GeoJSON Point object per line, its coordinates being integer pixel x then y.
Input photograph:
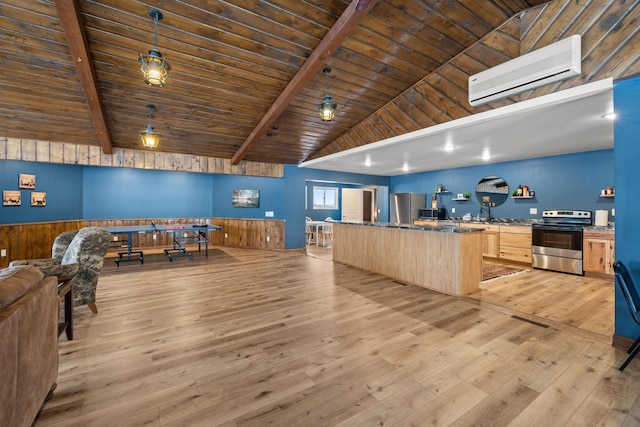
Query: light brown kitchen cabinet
{"type": "Point", "coordinates": [598, 251]}
{"type": "Point", "coordinates": [490, 239]}
{"type": "Point", "coordinates": [515, 243]}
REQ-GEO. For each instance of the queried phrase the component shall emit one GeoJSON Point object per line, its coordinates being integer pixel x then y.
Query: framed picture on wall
{"type": "Point", "coordinates": [245, 198]}
{"type": "Point", "coordinates": [27, 181]}
{"type": "Point", "coordinates": [11, 198]}
{"type": "Point", "coordinates": [38, 199]}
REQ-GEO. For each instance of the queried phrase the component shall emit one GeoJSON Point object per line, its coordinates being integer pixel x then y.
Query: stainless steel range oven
{"type": "Point", "coordinates": [556, 244]}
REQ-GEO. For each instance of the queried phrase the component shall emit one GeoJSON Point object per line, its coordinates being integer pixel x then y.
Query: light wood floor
{"type": "Point", "coordinates": [256, 338]}
{"type": "Point", "coordinates": [580, 304]}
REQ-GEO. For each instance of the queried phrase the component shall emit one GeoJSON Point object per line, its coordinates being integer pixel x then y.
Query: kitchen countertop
{"type": "Point", "coordinates": [438, 228]}
{"type": "Point", "coordinates": [508, 221]}
{"type": "Point", "coordinates": [496, 221]}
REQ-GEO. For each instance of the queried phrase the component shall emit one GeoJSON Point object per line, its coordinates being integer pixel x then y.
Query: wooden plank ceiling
{"type": "Point", "coordinates": [238, 68]}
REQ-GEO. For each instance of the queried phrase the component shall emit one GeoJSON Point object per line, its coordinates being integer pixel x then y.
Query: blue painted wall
{"type": "Point", "coordinates": [296, 180]}
{"type": "Point", "coordinates": [62, 183]}
{"type": "Point", "coordinates": [89, 192]}
{"type": "Point", "coordinates": [571, 181]}
{"type": "Point", "coordinates": [138, 193]}
{"type": "Point", "coordinates": [626, 94]}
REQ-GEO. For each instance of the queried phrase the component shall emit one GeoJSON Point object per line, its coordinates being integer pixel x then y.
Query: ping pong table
{"type": "Point", "coordinates": [189, 233]}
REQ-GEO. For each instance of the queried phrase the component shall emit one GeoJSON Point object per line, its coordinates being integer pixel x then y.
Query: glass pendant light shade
{"type": "Point", "coordinates": [155, 68]}
{"type": "Point", "coordinates": [149, 137]}
{"type": "Point", "coordinates": [327, 108]}
{"type": "Point", "coordinates": [153, 65]}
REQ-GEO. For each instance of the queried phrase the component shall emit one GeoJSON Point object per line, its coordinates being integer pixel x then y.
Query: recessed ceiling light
{"type": "Point", "coordinates": [367, 161]}
{"type": "Point", "coordinates": [405, 168]}
{"type": "Point", "coordinates": [448, 147]}
{"type": "Point", "coordinates": [610, 116]}
{"type": "Point", "coordinates": [486, 155]}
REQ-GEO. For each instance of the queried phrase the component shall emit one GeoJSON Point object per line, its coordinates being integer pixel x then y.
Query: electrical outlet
{"type": "Point", "coordinates": [533, 211]}
{"type": "Point", "coordinates": [185, 235]}
{"type": "Point", "coordinates": [3, 252]}
{"type": "Point", "coordinates": [613, 212]}
{"type": "Point", "coordinates": [226, 235]}
{"type": "Point", "coordinates": [453, 210]}
{"type": "Point", "coordinates": [115, 238]}
{"type": "Point", "coordinates": [268, 213]}
{"type": "Point", "coordinates": [154, 237]}
{"type": "Point", "coordinates": [268, 238]}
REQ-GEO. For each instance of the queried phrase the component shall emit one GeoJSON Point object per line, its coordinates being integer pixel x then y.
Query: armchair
{"type": "Point", "coordinates": [82, 259]}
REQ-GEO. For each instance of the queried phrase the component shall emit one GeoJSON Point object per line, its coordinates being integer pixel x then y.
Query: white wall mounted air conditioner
{"type": "Point", "coordinates": [557, 61]}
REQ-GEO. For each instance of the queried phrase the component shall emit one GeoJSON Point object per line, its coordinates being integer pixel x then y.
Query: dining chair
{"type": "Point", "coordinates": [632, 297]}
{"type": "Point", "coordinates": [325, 234]}
{"type": "Point", "coordinates": [311, 235]}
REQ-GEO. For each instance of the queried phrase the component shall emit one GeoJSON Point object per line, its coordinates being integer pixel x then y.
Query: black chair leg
{"type": "Point", "coordinates": [634, 349]}
{"type": "Point", "coordinates": [634, 345]}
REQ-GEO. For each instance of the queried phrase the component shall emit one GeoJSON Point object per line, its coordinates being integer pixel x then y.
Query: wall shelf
{"type": "Point", "coordinates": [460, 199]}
{"type": "Point", "coordinates": [607, 195]}
{"type": "Point", "coordinates": [523, 197]}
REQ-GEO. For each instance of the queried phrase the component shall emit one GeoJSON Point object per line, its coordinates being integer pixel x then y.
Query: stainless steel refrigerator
{"type": "Point", "coordinates": [405, 207]}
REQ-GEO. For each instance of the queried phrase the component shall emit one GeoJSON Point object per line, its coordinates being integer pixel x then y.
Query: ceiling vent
{"type": "Point", "coordinates": [557, 61]}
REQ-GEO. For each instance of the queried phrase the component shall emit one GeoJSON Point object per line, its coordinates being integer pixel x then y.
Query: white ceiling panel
{"type": "Point", "coordinates": [569, 121]}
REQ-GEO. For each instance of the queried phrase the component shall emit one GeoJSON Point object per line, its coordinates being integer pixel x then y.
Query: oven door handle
{"type": "Point", "coordinates": [556, 228]}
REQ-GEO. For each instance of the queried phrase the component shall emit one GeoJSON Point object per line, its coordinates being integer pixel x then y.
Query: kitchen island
{"type": "Point", "coordinates": [445, 259]}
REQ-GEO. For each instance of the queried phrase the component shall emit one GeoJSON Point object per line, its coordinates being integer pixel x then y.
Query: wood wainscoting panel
{"type": "Point", "coordinates": [239, 232]}
{"type": "Point", "coordinates": [34, 240]}
{"type": "Point", "coordinates": [31, 240]}
{"type": "Point", "coordinates": [249, 233]}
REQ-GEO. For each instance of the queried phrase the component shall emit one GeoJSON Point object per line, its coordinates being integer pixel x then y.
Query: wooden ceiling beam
{"type": "Point", "coordinates": [331, 41]}
{"type": "Point", "coordinates": [69, 13]}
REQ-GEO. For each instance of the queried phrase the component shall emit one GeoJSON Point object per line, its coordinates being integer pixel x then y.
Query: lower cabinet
{"type": "Point", "coordinates": [508, 242]}
{"type": "Point", "coordinates": [490, 239]}
{"type": "Point", "coordinates": [598, 251]}
{"type": "Point", "coordinates": [515, 243]}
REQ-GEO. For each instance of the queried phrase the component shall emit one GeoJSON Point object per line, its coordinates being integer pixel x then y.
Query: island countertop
{"type": "Point", "coordinates": [438, 228]}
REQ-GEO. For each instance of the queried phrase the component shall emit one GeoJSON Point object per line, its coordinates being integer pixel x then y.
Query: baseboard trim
{"type": "Point", "coordinates": [622, 342]}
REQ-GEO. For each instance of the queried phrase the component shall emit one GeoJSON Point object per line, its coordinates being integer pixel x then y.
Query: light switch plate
{"type": "Point", "coordinates": [268, 213]}
{"type": "Point", "coordinates": [3, 252]}
{"type": "Point", "coordinates": [613, 212]}
{"type": "Point", "coordinates": [453, 210]}
{"type": "Point", "coordinates": [533, 211]}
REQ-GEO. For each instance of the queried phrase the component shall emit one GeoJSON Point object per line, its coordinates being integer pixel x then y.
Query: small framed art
{"type": "Point", "coordinates": [11, 198]}
{"type": "Point", "coordinates": [38, 199]}
{"type": "Point", "coordinates": [27, 181]}
{"type": "Point", "coordinates": [245, 198]}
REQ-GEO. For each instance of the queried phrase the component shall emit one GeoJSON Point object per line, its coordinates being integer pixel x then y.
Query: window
{"type": "Point", "coordinates": [325, 198]}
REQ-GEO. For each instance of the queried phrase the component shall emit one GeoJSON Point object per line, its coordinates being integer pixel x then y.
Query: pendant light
{"type": "Point", "coordinates": [153, 65]}
{"type": "Point", "coordinates": [327, 107]}
{"type": "Point", "coordinates": [149, 137]}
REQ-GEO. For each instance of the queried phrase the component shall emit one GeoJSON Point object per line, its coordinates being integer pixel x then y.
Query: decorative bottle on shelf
{"type": "Point", "coordinates": [532, 193]}
{"type": "Point", "coordinates": [519, 193]}
{"type": "Point", "coordinates": [525, 191]}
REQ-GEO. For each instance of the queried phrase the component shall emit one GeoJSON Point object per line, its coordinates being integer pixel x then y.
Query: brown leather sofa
{"type": "Point", "coordinates": [29, 311]}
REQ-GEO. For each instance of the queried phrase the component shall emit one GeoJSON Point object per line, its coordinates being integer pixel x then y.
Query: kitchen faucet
{"type": "Point", "coordinates": [485, 207]}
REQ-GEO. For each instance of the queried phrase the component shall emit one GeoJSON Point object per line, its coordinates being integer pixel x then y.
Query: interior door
{"type": "Point", "coordinates": [352, 204]}
{"type": "Point", "coordinates": [367, 205]}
